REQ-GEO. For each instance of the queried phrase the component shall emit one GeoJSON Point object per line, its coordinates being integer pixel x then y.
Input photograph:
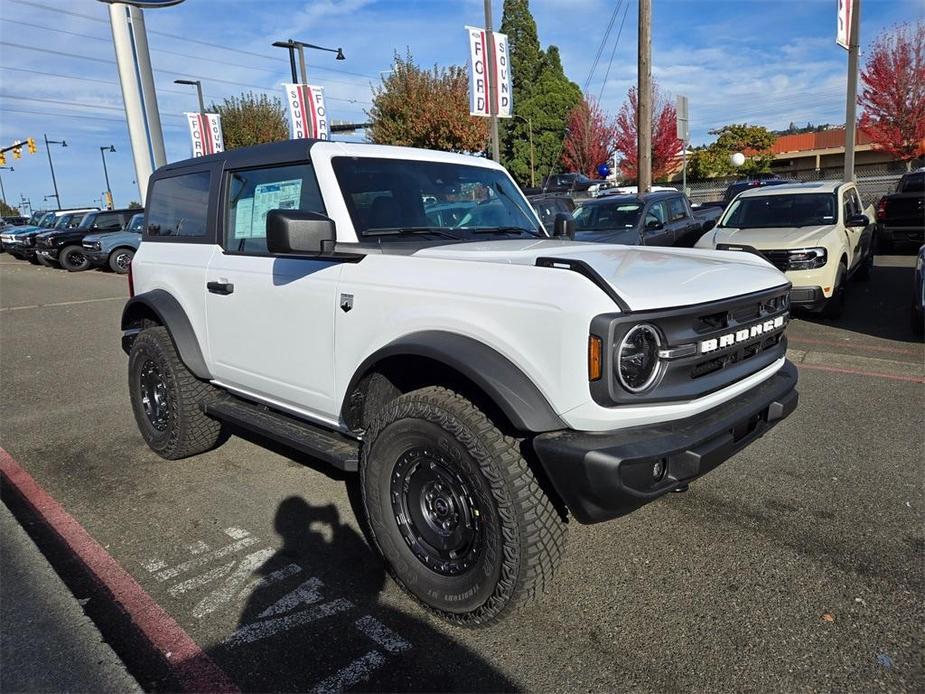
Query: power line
{"type": "Point", "coordinates": [613, 52]}
{"type": "Point", "coordinates": [59, 101]}
{"type": "Point", "coordinates": [154, 32]}
{"type": "Point", "coordinates": [600, 48]}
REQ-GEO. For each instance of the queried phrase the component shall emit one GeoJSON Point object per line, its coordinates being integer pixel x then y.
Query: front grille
{"type": "Point", "coordinates": [779, 259]}
{"type": "Point", "coordinates": [744, 324]}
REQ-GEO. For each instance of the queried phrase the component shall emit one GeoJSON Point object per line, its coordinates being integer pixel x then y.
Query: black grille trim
{"type": "Point", "coordinates": [699, 374]}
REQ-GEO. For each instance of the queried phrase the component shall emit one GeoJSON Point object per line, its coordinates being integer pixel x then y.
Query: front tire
{"type": "Point", "coordinates": [42, 260]}
{"type": "Point", "coordinates": [120, 259]}
{"type": "Point", "coordinates": [72, 259]}
{"type": "Point", "coordinates": [167, 399]}
{"type": "Point", "coordinates": [455, 510]}
{"type": "Point", "coordinates": [835, 306]}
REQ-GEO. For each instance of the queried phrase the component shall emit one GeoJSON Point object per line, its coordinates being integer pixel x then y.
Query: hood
{"type": "Point", "coordinates": [644, 277]}
{"type": "Point", "coordinates": [628, 237]}
{"type": "Point", "coordinates": [770, 238]}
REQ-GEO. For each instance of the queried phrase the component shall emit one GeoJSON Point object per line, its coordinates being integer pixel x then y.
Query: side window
{"type": "Point", "coordinates": [851, 204]}
{"type": "Point", "coordinates": [179, 205]}
{"type": "Point", "coordinates": [676, 209]}
{"type": "Point", "coordinates": [657, 213]}
{"type": "Point", "coordinates": [254, 192]}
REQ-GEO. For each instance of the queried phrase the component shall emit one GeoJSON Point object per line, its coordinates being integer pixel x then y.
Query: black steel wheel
{"type": "Point", "coordinates": [455, 510]}
{"type": "Point", "coordinates": [72, 259]}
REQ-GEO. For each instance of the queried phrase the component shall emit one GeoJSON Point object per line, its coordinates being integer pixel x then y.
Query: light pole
{"type": "Point", "coordinates": [300, 46]}
{"type": "Point", "coordinates": [3, 192]}
{"type": "Point", "coordinates": [529, 123]}
{"type": "Point", "coordinates": [198, 85]}
{"type": "Point", "coordinates": [103, 150]}
{"type": "Point", "coordinates": [51, 166]}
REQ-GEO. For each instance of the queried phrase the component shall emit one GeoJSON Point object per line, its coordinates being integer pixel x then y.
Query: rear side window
{"type": "Point", "coordinates": [179, 205]}
{"type": "Point", "coordinates": [109, 221]}
{"type": "Point", "coordinates": [254, 192]}
{"type": "Point", "coordinates": [676, 209]}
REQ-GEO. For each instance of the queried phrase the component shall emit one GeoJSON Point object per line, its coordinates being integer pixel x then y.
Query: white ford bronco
{"type": "Point", "coordinates": [818, 233]}
{"type": "Point", "coordinates": [403, 314]}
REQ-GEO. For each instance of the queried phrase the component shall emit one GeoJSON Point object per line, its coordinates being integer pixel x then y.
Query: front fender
{"type": "Point", "coordinates": [500, 379]}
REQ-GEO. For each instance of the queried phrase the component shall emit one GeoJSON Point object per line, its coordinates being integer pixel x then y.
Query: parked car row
{"type": "Point", "coordinates": [77, 240]}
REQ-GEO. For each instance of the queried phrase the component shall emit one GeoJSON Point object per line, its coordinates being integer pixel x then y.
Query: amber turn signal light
{"type": "Point", "coordinates": [595, 363]}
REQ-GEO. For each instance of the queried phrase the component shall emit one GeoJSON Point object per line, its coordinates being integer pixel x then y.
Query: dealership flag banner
{"type": "Point", "coordinates": [843, 29]}
{"type": "Point", "coordinates": [478, 74]}
{"type": "Point", "coordinates": [205, 131]}
{"type": "Point", "coordinates": [307, 114]}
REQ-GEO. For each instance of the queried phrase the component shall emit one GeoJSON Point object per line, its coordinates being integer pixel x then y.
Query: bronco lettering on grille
{"type": "Point", "coordinates": [742, 335]}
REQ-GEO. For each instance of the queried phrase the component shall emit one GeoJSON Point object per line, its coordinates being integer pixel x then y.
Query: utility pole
{"type": "Point", "coordinates": [492, 81]}
{"type": "Point", "coordinates": [644, 95]}
{"type": "Point", "coordinates": [851, 99]}
{"type": "Point", "coordinates": [3, 192]}
{"type": "Point", "coordinates": [103, 150]}
{"type": "Point", "coordinates": [51, 166]}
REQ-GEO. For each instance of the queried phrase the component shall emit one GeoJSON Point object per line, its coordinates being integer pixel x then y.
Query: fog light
{"type": "Point", "coordinates": [658, 469]}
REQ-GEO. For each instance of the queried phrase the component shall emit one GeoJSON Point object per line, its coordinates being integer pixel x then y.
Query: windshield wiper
{"type": "Point", "coordinates": [401, 231]}
{"type": "Point", "coordinates": [505, 230]}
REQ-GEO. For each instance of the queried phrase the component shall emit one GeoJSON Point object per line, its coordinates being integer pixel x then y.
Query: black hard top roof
{"type": "Point", "coordinates": [256, 155]}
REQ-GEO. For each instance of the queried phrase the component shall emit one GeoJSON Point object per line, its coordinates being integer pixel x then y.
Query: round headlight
{"type": "Point", "coordinates": [637, 358]}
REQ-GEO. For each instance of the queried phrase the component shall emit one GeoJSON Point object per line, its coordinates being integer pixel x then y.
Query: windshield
{"type": "Point", "coordinates": [391, 197]}
{"type": "Point", "coordinates": [35, 219]}
{"type": "Point", "coordinates": [48, 220]}
{"type": "Point", "coordinates": [605, 217]}
{"type": "Point", "coordinates": [88, 220]}
{"type": "Point", "coordinates": [784, 211]}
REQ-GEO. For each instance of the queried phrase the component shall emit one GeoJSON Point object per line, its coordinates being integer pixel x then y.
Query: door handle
{"type": "Point", "coordinates": [220, 287]}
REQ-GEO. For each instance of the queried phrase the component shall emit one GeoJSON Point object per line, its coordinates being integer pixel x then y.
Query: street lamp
{"type": "Point", "coordinates": [198, 85]}
{"type": "Point", "coordinates": [293, 46]}
{"type": "Point", "coordinates": [51, 166]}
{"type": "Point", "coordinates": [3, 192]}
{"type": "Point", "coordinates": [529, 123]}
{"type": "Point", "coordinates": [103, 150]}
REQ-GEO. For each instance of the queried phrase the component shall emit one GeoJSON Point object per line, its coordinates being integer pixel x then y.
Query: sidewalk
{"type": "Point", "coordinates": [47, 643]}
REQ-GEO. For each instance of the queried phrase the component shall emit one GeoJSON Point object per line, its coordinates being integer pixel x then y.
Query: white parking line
{"type": "Point", "coordinates": [381, 634]}
{"type": "Point", "coordinates": [64, 303]}
{"type": "Point", "coordinates": [269, 627]}
{"type": "Point", "coordinates": [201, 580]}
{"type": "Point", "coordinates": [204, 559]}
{"type": "Point", "coordinates": [305, 594]}
{"type": "Point", "coordinates": [358, 671]}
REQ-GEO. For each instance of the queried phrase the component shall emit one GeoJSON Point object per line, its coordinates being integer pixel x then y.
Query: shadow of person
{"type": "Point", "coordinates": [314, 619]}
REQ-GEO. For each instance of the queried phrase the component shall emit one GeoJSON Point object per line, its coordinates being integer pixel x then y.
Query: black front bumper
{"type": "Point", "coordinates": [603, 475]}
{"type": "Point", "coordinates": [809, 298]}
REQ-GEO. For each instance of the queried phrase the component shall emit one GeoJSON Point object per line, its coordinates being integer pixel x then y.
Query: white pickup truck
{"type": "Point", "coordinates": [402, 313]}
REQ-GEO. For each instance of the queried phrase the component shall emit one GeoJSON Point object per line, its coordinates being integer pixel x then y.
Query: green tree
{"type": "Point", "coordinates": [425, 108]}
{"type": "Point", "coordinates": [250, 119]}
{"type": "Point", "coordinates": [8, 211]}
{"type": "Point", "coordinates": [526, 64]}
{"type": "Point", "coordinates": [135, 205]}
{"type": "Point", "coordinates": [754, 141]}
{"type": "Point", "coordinates": [547, 107]}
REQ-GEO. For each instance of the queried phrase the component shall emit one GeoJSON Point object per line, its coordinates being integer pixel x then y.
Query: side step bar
{"type": "Point", "coordinates": [329, 446]}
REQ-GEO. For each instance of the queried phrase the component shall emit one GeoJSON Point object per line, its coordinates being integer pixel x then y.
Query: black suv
{"type": "Point", "coordinates": [63, 247]}
{"type": "Point", "coordinates": [738, 186]}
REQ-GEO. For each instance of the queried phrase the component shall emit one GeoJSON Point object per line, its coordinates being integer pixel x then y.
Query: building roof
{"type": "Point", "coordinates": [833, 138]}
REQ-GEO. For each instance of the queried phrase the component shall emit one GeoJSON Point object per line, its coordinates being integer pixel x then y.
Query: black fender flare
{"type": "Point", "coordinates": [512, 391]}
{"type": "Point", "coordinates": [171, 315]}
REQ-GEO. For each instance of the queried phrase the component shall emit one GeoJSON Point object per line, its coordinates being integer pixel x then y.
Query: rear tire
{"type": "Point", "coordinates": [120, 259]}
{"type": "Point", "coordinates": [862, 274]}
{"type": "Point", "coordinates": [167, 399]}
{"type": "Point", "coordinates": [72, 259]}
{"type": "Point", "coordinates": [477, 536]}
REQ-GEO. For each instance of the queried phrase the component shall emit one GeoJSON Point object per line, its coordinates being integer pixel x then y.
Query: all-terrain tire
{"type": "Point", "coordinates": [42, 260]}
{"type": "Point", "coordinates": [120, 259]}
{"type": "Point", "coordinates": [72, 259]}
{"type": "Point", "coordinates": [183, 429]}
{"type": "Point", "coordinates": [520, 534]}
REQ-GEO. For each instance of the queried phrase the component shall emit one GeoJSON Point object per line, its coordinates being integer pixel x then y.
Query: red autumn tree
{"type": "Point", "coordinates": [893, 94]}
{"type": "Point", "coordinates": [666, 145]}
{"type": "Point", "coordinates": [590, 138]}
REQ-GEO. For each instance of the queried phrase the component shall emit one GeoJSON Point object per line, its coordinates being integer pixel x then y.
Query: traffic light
{"type": "Point", "coordinates": [17, 153]}
{"type": "Point", "coordinates": [30, 143]}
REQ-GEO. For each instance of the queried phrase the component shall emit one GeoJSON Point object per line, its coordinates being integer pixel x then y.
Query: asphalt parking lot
{"type": "Point", "coordinates": [796, 566]}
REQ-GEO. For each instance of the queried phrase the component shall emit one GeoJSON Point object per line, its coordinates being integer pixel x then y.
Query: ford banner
{"type": "Point", "coordinates": [307, 113]}
{"type": "Point", "coordinates": [205, 131]}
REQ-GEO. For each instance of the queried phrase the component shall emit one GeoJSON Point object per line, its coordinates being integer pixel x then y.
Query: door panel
{"type": "Point", "coordinates": [272, 335]}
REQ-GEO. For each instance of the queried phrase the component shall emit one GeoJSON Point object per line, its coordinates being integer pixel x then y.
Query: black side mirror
{"type": "Point", "coordinates": [563, 226]}
{"type": "Point", "coordinates": [709, 224]}
{"type": "Point", "coordinates": [294, 232]}
{"type": "Point", "coordinates": [654, 225]}
{"type": "Point", "coordinates": [857, 220]}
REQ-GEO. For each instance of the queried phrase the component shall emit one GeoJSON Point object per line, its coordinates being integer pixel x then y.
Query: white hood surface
{"type": "Point", "coordinates": [644, 277]}
{"type": "Point", "coordinates": [773, 238]}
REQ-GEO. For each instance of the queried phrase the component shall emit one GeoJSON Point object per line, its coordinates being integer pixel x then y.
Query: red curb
{"type": "Point", "coordinates": [192, 667]}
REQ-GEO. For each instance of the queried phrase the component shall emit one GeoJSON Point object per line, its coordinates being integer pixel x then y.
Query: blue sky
{"type": "Point", "coordinates": [737, 60]}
